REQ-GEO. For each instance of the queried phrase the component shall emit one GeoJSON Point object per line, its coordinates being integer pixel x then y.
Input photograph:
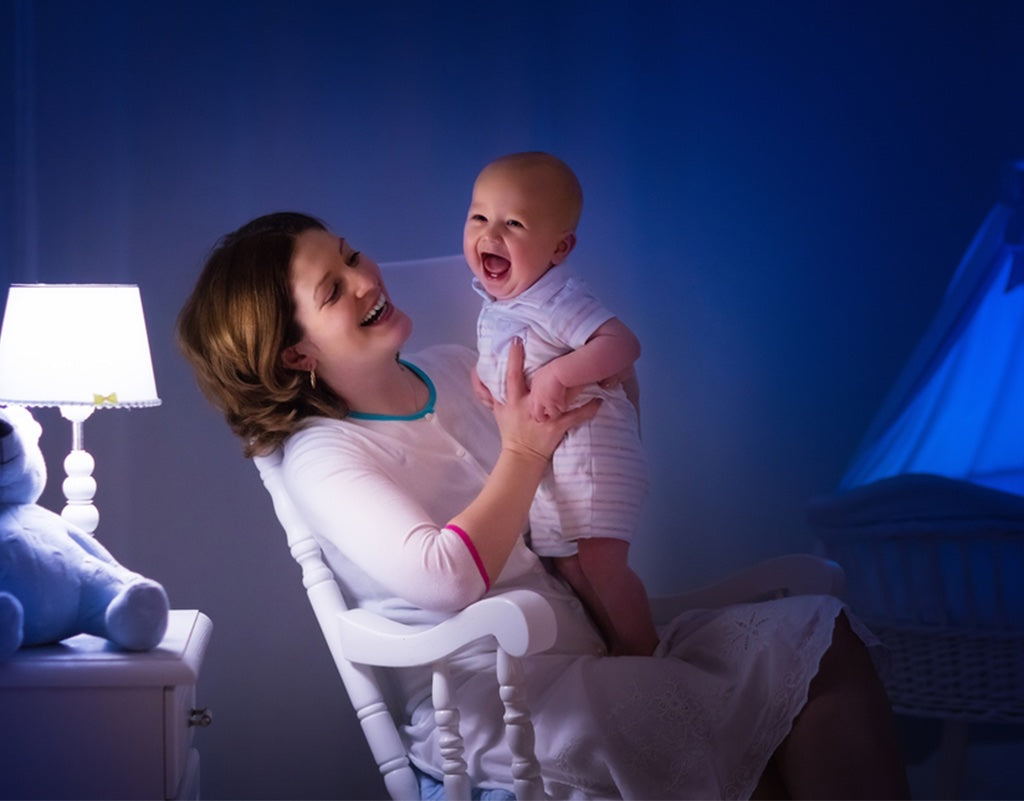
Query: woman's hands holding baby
{"type": "Point", "coordinates": [497, 517]}
{"type": "Point", "coordinates": [520, 432]}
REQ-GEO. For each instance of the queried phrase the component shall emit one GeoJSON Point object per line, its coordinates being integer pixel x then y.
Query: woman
{"type": "Point", "coordinates": [419, 501]}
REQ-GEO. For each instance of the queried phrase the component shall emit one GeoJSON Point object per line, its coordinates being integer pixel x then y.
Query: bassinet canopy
{"type": "Point", "coordinates": [957, 409]}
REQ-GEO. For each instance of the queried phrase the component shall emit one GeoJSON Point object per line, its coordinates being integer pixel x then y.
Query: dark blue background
{"type": "Point", "coordinates": [776, 197]}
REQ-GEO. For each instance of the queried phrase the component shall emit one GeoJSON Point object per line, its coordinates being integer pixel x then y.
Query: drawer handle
{"type": "Point", "coordinates": [200, 717]}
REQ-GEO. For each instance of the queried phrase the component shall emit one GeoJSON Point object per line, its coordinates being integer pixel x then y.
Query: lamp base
{"type": "Point", "coordinates": [79, 486]}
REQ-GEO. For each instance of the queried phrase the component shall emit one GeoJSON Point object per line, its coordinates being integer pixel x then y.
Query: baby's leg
{"type": "Point", "coordinates": [615, 595]}
{"type": "Point", "coordinates": [569, 569]}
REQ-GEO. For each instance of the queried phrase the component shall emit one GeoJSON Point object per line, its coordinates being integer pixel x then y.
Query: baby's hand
{"type": "Point", "coordinates": [548, 397]}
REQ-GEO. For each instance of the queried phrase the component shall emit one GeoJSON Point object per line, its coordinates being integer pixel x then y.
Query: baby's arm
{"type": "Point", "coordinates": [610, 350]}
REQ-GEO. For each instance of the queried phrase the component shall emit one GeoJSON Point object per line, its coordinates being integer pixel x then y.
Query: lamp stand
{"type": "Point", "coordinates": [79, 486]}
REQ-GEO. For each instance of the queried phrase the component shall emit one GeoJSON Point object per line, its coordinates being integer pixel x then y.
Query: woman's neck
{"type": "Point", "coordinates": [391, 390]}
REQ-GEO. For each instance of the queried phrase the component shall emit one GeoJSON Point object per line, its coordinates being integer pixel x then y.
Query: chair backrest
{"type": "Point", "coordinates": [437, 294]}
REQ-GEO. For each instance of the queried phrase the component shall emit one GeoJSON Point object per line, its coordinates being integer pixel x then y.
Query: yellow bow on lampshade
{"type": "Point", "coordinates": [100, 400]}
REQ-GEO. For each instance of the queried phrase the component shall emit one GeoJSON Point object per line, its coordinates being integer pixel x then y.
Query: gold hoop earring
{"type": "Point", "coordinates": [312, 378]}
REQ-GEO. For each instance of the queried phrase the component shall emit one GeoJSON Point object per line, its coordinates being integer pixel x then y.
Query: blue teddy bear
{"type": "Point", "coordinates": [56, 580]}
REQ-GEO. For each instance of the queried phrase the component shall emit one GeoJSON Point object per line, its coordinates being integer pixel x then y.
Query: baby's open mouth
{"type": "Point", "coordinates": [495, 266]}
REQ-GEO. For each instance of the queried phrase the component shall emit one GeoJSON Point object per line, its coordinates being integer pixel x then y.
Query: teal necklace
{"type": "Point", "coordinates": [427, 409]}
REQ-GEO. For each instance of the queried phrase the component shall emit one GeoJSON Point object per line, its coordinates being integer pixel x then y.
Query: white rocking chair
{"type": "Point", "coordinates": [522, 622]}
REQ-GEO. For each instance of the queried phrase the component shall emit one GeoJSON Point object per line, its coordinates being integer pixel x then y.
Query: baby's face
{"type": "Point", "coordinates": [515, 230]}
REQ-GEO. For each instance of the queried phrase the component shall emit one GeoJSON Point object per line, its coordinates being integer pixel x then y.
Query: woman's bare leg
{"type": "Point", "coordinates": [770, 787]}
{"type": "Point", "coordinates": [843, 744]}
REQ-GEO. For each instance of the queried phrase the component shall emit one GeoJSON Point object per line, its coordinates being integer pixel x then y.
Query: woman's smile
{"type": "Point", "coordinates": [381, 311]}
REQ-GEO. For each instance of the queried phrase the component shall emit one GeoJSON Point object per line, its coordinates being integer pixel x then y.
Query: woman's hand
{"type": "Point", "coordinates": [497, 517]}
{"type": "Point", "coordinates": [483, 394]}
{"type": "Point", "coordinates": [520, 433]}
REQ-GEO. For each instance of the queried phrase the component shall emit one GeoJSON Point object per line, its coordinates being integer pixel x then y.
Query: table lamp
{"type": "Point", "coordinates": [79, 347]}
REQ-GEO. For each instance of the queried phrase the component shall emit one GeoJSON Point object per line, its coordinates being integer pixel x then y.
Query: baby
{"type": "Point", "coordinates": [519, 231]}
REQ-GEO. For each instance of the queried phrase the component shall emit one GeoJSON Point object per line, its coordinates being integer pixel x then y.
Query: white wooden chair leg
{"type": "Point", "coordinates": [388, 751]}
{"type": "Point", "coordinates": [446, 716]}
{"type": "Point", "coordinates": [526, 776]}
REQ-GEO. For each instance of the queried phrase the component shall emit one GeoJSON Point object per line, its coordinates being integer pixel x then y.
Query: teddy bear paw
{"type": "Point", "coordinates": [12, 618]}
{"type": "Point", "coordinates": [137, 617]}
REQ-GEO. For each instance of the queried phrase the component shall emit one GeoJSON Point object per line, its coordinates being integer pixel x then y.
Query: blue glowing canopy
{"type": "Point", "coordinates": [957, 409]}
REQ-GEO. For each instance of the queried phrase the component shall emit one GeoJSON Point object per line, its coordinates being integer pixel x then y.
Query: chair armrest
{"type": "Point", "coordinates": [522, 622]}
{"type": "Point", "coordinates": [792, 574]}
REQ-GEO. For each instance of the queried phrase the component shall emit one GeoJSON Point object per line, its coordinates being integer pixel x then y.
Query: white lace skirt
{"type": "Point", "coordinates": [700, 719]}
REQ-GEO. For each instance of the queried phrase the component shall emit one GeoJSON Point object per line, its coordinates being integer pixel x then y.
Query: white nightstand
{"type": "Point", "coordinates": [81, 719]}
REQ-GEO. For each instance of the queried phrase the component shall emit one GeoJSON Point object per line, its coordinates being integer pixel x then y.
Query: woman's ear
{"type": "Point", "coordinates": [294, 359]}
{"type": "Point", "coordinates": [564, 247]}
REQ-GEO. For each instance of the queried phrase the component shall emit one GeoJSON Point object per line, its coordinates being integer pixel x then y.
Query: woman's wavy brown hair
{"type": "Point", "coordinates": [237, 322]}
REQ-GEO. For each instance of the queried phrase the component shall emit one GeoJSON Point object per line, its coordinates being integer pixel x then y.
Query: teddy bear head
{"type": "Point", "coordinates": [22, 468]}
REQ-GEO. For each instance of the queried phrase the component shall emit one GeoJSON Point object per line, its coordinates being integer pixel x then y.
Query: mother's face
{"type": "Point", "coordinates": [341, 306]}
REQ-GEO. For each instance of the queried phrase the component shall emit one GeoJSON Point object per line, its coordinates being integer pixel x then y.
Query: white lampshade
{"type": "Point", "coordinates": [75, 345]}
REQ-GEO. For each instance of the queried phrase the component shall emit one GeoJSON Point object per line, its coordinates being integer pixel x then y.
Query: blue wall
{"type": "Point", "coordinates": [776, 196]}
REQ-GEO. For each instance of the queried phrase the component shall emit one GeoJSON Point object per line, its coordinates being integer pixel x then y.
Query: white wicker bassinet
{"type": "Point", "coordinates": [935, 566]}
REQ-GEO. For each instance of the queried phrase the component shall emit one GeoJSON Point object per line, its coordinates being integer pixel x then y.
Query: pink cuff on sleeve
{"type": "Point", "coordinates": [475, 554]}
